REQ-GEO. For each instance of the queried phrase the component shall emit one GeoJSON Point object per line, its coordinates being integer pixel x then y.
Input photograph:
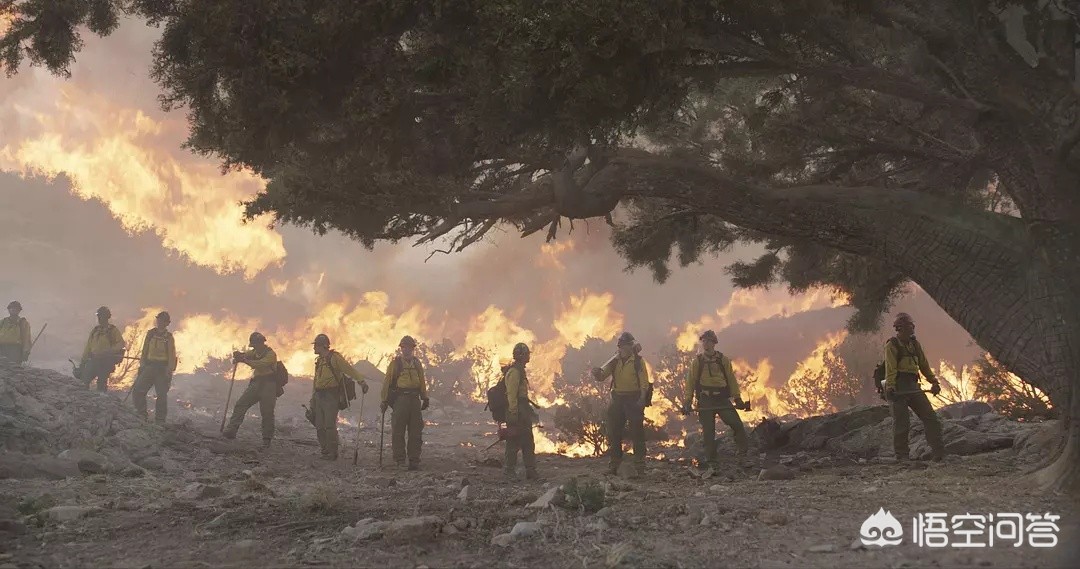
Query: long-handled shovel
{"type": "Point", "coordinates": [359, 421]}
{"type": "Point", "coordinates": [228, 399]}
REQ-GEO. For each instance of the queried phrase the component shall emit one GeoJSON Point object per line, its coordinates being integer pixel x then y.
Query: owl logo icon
{"type": "Point", "coordinates": [881, 529]}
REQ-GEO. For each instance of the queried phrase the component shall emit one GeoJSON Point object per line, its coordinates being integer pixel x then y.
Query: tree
{"type": "Point", "coordinates": [863, 144]}
{"type": "Point", "coordinates": [449, 375]}
{"type": "Point", "coordinates": [1007, 394]}
{"type": "Point", "coordinates": [817, 391]}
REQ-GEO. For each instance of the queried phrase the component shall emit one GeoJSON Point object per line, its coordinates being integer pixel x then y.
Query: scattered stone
{"type": "Point", "coordinates": [200, 491]}
{"type": "Point", "coordinates": [826, 548]}
{"type": "Point", "coordinates": [599, 524]}
{"type": "Point", "coordinates": [773, 517]}
{"type": "Point", "coordinates": [244, 545]}
{"type": "Point", "coordinates": [13, 527]}
{"type": "Point", "coordinates": [965, 409]}
{"type": "Point", "coordinates": [412, 530]}
{"type": "Point", "coordinates": [89, 462]}
{"type": "Point", "coordinates": [27, 466]}
{"type": "Point", "coordinates": [367, 528]}
{"type": "Point", "coordinates": [550, 498]}
{"type": "Point", "coordinates": [525, 529]}
{"type": "Point", "coordinates": [705, 521]}
{"type": "Point", "coordinates": [464, 494]}
{"type": "Point", "coordinates": [857, 545]}
{"type": "Point", "coordinates": [718, 489]}
{"type": "Point", "coordinates": [154, 463]}
{"type": "Point", "coordinates": [461, 524]}
{"type": "Point", "coordinates": [218, 521]}
{"type": "Point", "coordinates": [133, 472]}
{"type": "Point", "coordinates": [604, 512]}
{"type": "Point", "coordinates": [449, 529]}
{"type": "Point", "coordinates": [776, 472]}
{"type": "Point", "coordinates": [64, 514]}
{"type": "Point", "coordinates": [502, 540]}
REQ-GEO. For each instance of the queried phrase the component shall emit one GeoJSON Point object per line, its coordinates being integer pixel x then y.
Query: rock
{"type": "Point", "coordinates": [718, 489]}
{"type": "Point", "coordinates": [776, 472]}
{"type": "Point", "coordinates": [412, 530]}
{"type": "Point", "coordinates": [199, 491]}
{"type": "Point", "coordinates": [12, 527]}
{"type": "Point", "coordinates": [64, 514]}
{"type": "Point", "coordinates": [244, 546]}
{"type": "Point", "coordinates": [40, 466]}
{"type": "Point", "coordinates": [827, 548]}
{"type": "Point", "coordinates": [773, 517]}
{"type": "Point", "coordinates": [370, 529]}
{"type": "Point", "coordinates": [599, 524]}
{"type": "Point", "coordinates": [217, 522]}
{"type": "Point", "coordinates": [464, 494]}
{"type": "Point", "coordinates": [133, 472]}
{"type": "Point", "coordinates": [813, 433]}
{"type": "Point", "coordinates": [449, 529]}
{"type": "Point", "coordinates": [964, 409]}
{"type": "Point", "coordinates": [857, 545]}
{"type": "Point", "coordinates": [550, 498]}
{"type": "Point", "coordinates": [89, 462]}
{"type": "Point", "coordinates": [502, 540]}
{"type": "Point", "coordinates": [525, 529]}
{"type": "Point", "coordinates": [461, 524]}
{"type": "Point", "coordinates": [154, 463]}
{"type": "Point", "coordinates": [604, 512]}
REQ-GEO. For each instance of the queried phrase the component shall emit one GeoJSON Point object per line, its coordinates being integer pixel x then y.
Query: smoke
{"type": "Point", "coordinates": [106, 208]}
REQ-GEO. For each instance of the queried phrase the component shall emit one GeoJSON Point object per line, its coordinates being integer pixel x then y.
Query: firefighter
{"type": "Point", "coordinates": [520, 417]}
{"type": "Point", "coordinates": [103, 352]}
{"type": "Point", "coordinates": [904, 359]}
{"type": "Point", "coordinates": [712, 380]}
{"type": "Point", "coordinates": [262, 389]}
{"type": "Point", "coordinates": [328, 393]}
{"type": "Point", "coordinates": [405, 392]}
{"type": "Point", "coordinates": [14, 335]}
{"type": "Point", "coordinates": [629, 396]}
{"type": "Point", "coordinates": [157, 364]}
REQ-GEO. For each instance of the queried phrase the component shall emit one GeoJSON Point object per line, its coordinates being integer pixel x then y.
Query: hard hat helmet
{"type": "Point", "coordinates": [14, 304]}
{"type": "Point", "coordinates": [709, 336]}
{"type": "Point", "coordinates": [164, 317]}
{"type": "Point", "coordinates": [626, 339]}
{"type": "Point", "coordinates": [322, 340]}
{"type": "Point", "coordinates": [407, 341]}
{"type": "Point", "coordinates": [256, 339]}
{"type": "Point", "coordinates": [903, 318]}
{"type": "Point", "coordinates": [104, 311]}
{"type": "Point", "coordinates": [520, 349]}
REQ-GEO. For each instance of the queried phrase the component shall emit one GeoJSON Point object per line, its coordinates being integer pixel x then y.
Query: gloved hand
{"type": "Point", "coordinates": [596, 373]}
{"type": "Point", "coordinates": [511, 418]}
{"type": "Point", "coordinates": [935, 388]}
{"type": "Point", "coordinates": [890, 394]}
{"type": "Point", "coordinates": [685, 409]}
{"type": "Point", "coordinates": [383, 406]}
{"type": "Point", "coordinates": [237, 357]}
{"type": "Point", "coordinates": [740, 404]}
{"type": "Point", "coordinates": [424, 403]}
{"type": "Point", "coordinates": [642, 401]}
{"type": "Point", "coordinates": [363, 387]}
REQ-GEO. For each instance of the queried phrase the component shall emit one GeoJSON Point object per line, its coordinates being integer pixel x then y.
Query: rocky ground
{"type": "Point", "coordinates": [83, 482]}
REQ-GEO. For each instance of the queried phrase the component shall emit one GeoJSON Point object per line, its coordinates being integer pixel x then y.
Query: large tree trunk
{"type": "Point", "coordinates": [1013, 285]}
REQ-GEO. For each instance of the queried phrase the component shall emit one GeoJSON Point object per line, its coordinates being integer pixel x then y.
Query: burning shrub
{"type": "Point", "coordinates": [820, 390]}
{"type": "Point", "coordinates": [448, 374]}
{"type": "Point", "coordinates": [581, 422]}
{"type": "Point", "coordinates": [1008, 394]}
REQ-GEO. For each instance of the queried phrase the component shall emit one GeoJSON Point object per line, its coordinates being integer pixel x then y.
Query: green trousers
{"type": "Point", "coordinates": [156, 375]}
{"type": "Point", "coordinates": [325, 404]}
{"type": "Point", "coordinates": [261, 390]}
{"type": "Point", "coordinates": [99, 368]}
{"type": "Point", "coordinates": [523, 443]}
{"type": "Point", "coordinates": [918, 403]}
{"type": "Point", "coordinates": [711, 409]}
{"type": "Point", "coordinates": [623, 410]}
{"type": "Point", "coordinates": [406, 420]}
{"type": "Point", "coordinates": [11, 352]}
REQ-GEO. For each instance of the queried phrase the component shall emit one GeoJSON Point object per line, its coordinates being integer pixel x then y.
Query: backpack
{"type": "Point", "coordinates": [637, 371]}
{"type": "Point", "coordinates": [725, 391]}
{"type": "Point", "coordinates": [281, 376]}
{"type": "Point", "coordinates": [496, 399]}
{"type": "Point", "coordinates": [879, 371]}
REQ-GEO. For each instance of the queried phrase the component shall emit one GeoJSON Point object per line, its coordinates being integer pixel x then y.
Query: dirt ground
{"type": "Point", "coordinates": [214, 503]}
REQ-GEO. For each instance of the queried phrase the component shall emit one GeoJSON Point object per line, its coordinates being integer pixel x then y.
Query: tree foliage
{"type": "Point", "coordinates": [820, 390]}
{"type": "Point", "coordinates": [1008, 395]}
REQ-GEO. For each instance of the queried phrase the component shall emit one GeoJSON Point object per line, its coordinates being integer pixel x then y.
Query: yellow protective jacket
{"type": "Point", "coordinates": [330, 368]}
{"type": "Point", "coordinates": [15, 331]}
{"type": "Point", "coordinates": [716, 372]}
{"type": "Point", "coordinates": [517, 389]}
{"type": "Point", "coordinates": [159, 346]}
{"type": "Point", "coordinates": [908, 358]}
{"type": "Point", "coordinates": [411, 376]}
{"type": "Point", "coordinates": [629, 376]}
{"type": "Point", "coordinates": [261, 362]}
{"type": "Point", "coordinates": [104, 339]}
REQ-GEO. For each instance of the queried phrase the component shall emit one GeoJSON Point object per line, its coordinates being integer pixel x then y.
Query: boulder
{"type": "Point", "coordinates": [62, 514]}
{"type": "Point", "coordinates": [89, 462]}
{"type": "Point", "coordinates": [502, 540]}
{"type": "Point", "coordinates": [550, 498]}
{"type": "Point", "coordinates": [776, 472]}
{"type": "Point", "coordinates": [964, 409]}
{"type": "Point", "coordinates": [959, 440]}
{"type": "Point", "coordinates": [815, 432]}
{"type": "Point", "coordinates": [36, 466]}
{"type": "Point", "coordinates": [412, 530]}
{"type": "Point", "coordinates": [525, 529]}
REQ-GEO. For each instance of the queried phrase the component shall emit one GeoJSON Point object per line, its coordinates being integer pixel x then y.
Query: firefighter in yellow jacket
{"type": "Point", "coordinates": [629, 395]}
{"type": "Point", "coordinates": [14, 335]}
{"type": "Point", "coordinates": [328, 393]}
{"type": "Point", "coordinates": [262, 389]}
{"type": "Point", "coordinates": [519, 417]}
{"type": "Point", "coordinates": [712, 380]}
{"type": "Point", "coordinates": [904, 359]}
{"type": "Point", "coordinates": [104, 350]}
{"type": "Point", "coordinates": [156, 367]}
{"type": "Point", "coordinates": [405, 391]}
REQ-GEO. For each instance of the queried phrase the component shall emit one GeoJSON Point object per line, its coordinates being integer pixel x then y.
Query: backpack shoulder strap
{"type": "Point", "coordinates": [399, 364]}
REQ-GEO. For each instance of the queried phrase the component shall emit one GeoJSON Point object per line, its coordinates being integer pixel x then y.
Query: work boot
{"type": "Point", "coordinates": [229, 434]}
{"type": "Point", "coordinates": [510, 476]}
{"type": "Point", "coordinates": [937, 456]}
{"type": "Point", "coordinates": [414, 466]}
{"type": "Point", "coordinates": [638, 471]}
{"type": "Point", "coordinates": [266, 443]}
{"type": "Point", "coordinates": [613, 468]}
{"type": "Point", "coordinates": [530, 474]}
